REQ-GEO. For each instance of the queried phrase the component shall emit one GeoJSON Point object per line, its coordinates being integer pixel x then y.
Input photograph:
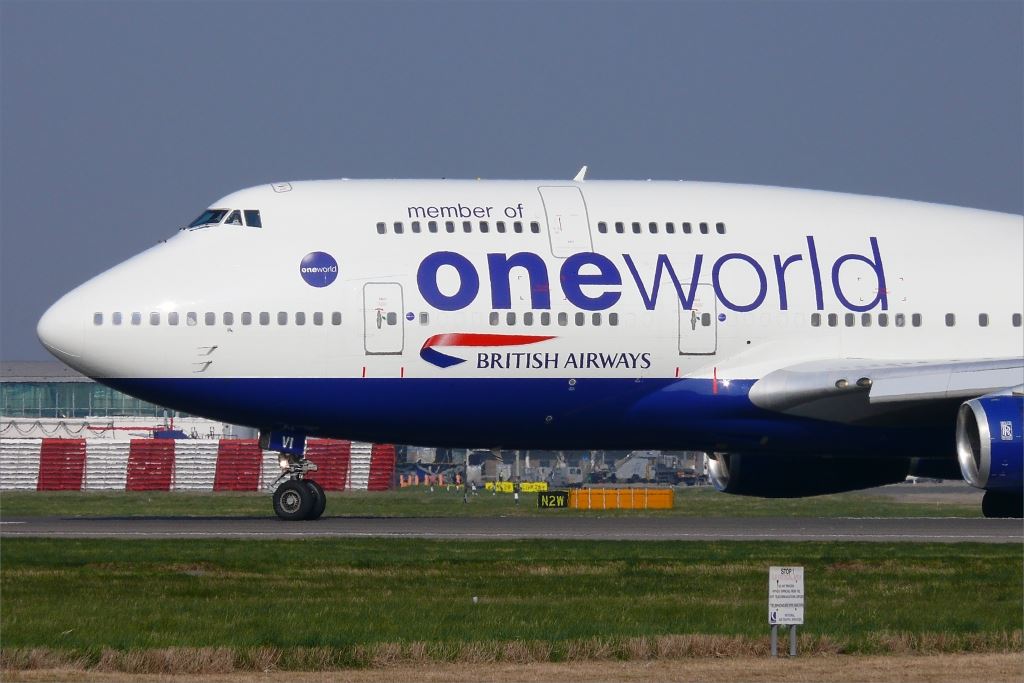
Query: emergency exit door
{"type": "Point", "coordinates": [383, 318]}
{"type": "Point", "coordinates": [698, 327]}
{"type": "Point", "coordinates": [568, 225]}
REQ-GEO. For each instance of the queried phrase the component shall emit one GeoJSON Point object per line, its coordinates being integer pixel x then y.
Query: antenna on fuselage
{"type": "Point", "coordinates": [581, 176]}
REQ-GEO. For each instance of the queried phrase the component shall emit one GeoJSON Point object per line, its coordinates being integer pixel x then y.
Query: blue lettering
{"type": "Point", "coordinates": [573, 281]}
{"type": "Point", "coordinates": [469, 281]}
{"type": "Point", "coordinates": [761, 293]}
{"type": "Point", "coordinates": [780, 275]}
{"type": "Point", "coordinates": [876, 265]}
{"type": "Point", "coordinates": [500, 267]}
{"type": "Point", "coordinates": [816, 273]}
{"type": "Point", "coordinates": [651, 300]}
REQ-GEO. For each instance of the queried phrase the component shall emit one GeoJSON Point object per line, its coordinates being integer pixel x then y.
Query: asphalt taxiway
{"type": "Point", "coordinates": [890, 530]}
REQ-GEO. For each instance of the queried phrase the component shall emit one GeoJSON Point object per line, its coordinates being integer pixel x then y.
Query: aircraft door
{"type": "Point", "coordinates": [698, 327]}
{"type": "Point", "coordinates": [383, 318]}
{"type": "Point", "coordinates": [568, 224]}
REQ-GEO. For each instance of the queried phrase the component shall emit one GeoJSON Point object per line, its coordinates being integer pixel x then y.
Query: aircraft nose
{"type": "Point", "coordinates": [60, 329]}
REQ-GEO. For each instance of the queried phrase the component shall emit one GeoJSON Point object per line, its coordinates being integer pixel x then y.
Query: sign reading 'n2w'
{"type": "Point", "coordinates": [786, 595]}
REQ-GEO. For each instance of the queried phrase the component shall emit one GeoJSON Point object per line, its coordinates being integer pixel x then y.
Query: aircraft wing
{"type": "Point", "coordinates": [863, 391]}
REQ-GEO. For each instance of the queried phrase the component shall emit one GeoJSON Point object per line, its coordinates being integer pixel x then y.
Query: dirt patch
{"type": "Point", "coordinates": [831, 669]}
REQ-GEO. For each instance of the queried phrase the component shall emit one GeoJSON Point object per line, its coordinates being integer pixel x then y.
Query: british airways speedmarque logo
{"type": "Point", "coordinates": [429, 352]}
{"type": "Point", "coordinates": [318, 268]}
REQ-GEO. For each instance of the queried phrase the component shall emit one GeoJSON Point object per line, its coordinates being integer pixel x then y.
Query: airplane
{"type": "Point", "coordinates": [810, 342]}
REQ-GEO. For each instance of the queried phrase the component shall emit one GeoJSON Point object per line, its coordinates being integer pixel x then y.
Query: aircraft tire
{"type": "Point", "coordinates": [319, 499]}
{"type": "Point", "coordinates": [293, 501]}
{"type": "Point", "coordinates": [999, 504]}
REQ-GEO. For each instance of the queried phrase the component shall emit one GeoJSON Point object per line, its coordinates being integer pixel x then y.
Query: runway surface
{"type": "Point", "coordinates": [913, 530]}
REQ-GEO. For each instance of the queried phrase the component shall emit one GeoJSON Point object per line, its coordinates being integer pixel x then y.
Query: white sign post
{"type": "Point", "coordinates": [785, 604]}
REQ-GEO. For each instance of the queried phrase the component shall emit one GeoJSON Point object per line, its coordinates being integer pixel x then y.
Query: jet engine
{"type": "Point", "coordinates": [990, 449]}
{"type": "Point", "coordinates": [770, 476]}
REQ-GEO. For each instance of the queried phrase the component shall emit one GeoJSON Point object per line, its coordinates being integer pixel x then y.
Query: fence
{"type": "Point", "coordinates": [183, 465]}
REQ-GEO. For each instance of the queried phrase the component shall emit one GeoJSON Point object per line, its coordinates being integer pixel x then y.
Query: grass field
{"type": "Point", "coordinates": [315, 604]}
{"type": "Point", "coordinates": [420, 502]}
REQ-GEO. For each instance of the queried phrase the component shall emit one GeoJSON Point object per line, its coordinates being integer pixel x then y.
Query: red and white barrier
{"type": "Point", "coordinates": [184, 465]}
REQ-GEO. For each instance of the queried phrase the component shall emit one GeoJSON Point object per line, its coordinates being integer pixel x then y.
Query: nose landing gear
{"type": "Point", "coordinates": [295, 496]}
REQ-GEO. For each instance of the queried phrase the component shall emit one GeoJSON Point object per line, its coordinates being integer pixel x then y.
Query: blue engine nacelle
{"type": "Point", "coordinates": [990, 443]}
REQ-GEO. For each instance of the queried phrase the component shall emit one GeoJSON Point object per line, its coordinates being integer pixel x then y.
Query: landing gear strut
{"type": "Point", "coordinates": [296, 497]}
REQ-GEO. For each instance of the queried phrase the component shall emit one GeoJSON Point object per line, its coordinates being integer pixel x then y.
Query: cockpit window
{"type": "Point", "coordinates": [209, 217]}
{"type": "Point", "coordinates": [235, 218]}
{"type": "Point", "coordinates": [252, 218]}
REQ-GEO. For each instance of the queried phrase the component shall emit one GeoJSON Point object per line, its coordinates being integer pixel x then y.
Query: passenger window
{"type": "Point", "coordinates": [282, 318]}
{"type": "Point", "coordinates": [335, 318]}
{"type": "Point", "coordinates": [510, 318]}
{"type": "Point", "coordinates": [1016, 319]}
{"type": "Point", "coordinates": [382, 228]}
{"type": "Point", "coordinates": [720, 228]}
{"type": "Point", "coordinates": [613, 318]}
{"type": "Point", "coordinates": [883, 319]}
{"type": "Point", "coordinates": [563, 319]}
{"type": "Point", "coordinates": [300, 318]}
{"type": "Point", "coordinates": [850, 319]}
{"type": "Point", "coordinates": [424, 318]}
{"type": "Point", "coordinates": [983, 319]}
{"type": "Point", "coordinates": [449, 226]}
{"type": "Point", "coordinates": [210, 318]}
{"type": "Point", "coordinates": [602, 227]}
{"type": "Point", "coordinates": [865, 320]}
{"type": "Point", "coordinates": [653, 227]}
{"type": "Point", "coordinates": [620, 227]}
{"type": "Point", "coordinates": [398, 228]}
{"type": "Point", "coordinates": [494, 318]}
{"type": "Point", "coordinates": [596, 318]}
{"type": "Point", "coordinates": [392, 318]}
{"type": "Point", "coordinates": [432, 226]}
{"type": "Point", "coordinates": [97, 318]}
{"type": "Point", "coordinates": [500, 226]}
{"type": "Point", "coordinates": [154, 318]}
{"type": "Point", "coordinates": [264, 318]}
{"type": "Point", "coordinates": [252, 218]}
{"type": "Point", "coordinates": [534, 227]}
{"type": "Point", "coordinates": [670, 227]}
{"type": "Point", "coordinates": [235, 218]}
{"type": "Point", "coordinates": [915, 320]}
{"type": "Point", "coordinates": [172, 318]}
{"type": "Point", "coordinates": [247, 318]}
{"type": "Point", "coordinates": [467, 226]}
{"type": "Point", "coordinates": [191, 319]}
{"type": "Point", "coordinates": [950, 319]}
{"type": "Point", "coordinates": [318, 318]}
{"type": "Point", "coordinates": [484, 227]}
{"type": "Point", "coordinates": [229, 318]}
{"type": "Point", "coordinates": [815, 319]}
{"type": "Point", "coordinates": [416, 226]}
{"type": "Point", "coordinates": [545, 318]}
{"type": "Point", "coordinates": [527, 318]}
{"type": "Point", "coordinates": [136, 318]}
{"type": "Point", "coordinates": [901, 320]}
{"type": "Point", "coordinates": [687, 228]}
{"type": "Point", "coordinates": [833, 319]}
{"type": "Point", "coordinates": [703, 228]}
{"type": "Point", "coordinates": [517, 226]}
{"type": "Point", "coordinates": [116, 318]}
{"type": "Point", "coordinates": [705, 319]}
{"type": "Point", "coordinates": [580, 319]}
{"type": "Point", "coordinates": [636, 228]}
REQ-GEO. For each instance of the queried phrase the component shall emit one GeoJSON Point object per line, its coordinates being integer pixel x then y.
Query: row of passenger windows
{"type": "Point", "coordinates": [898, 319]}
{"type": "Point", "coordinates": [228, 217]}
{"type": "Point", "coordinates": [653, 227]}
{"type": "Point", "coordinates": [544, 318]}
{"type": "Point", "coordinates": [228, 318]}
{"type": "Point", "coordinates": [398, 227]}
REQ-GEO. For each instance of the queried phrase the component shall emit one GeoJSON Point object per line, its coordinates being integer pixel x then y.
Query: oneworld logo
{"type": "Point", "coordinates": [318, 268]}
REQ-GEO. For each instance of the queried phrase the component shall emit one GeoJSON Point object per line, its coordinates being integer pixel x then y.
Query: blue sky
{"type": "Point", "coordinates": [120, 121]}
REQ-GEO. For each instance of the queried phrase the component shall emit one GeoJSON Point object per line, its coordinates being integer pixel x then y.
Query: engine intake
{"type": "Point", "coordinates": [990, 441]}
